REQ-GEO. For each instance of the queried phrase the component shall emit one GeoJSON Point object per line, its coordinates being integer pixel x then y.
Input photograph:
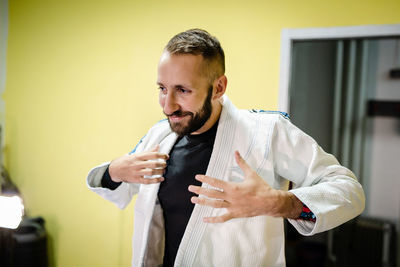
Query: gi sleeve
{"type": "Point", "coordinates": [328, 189]}
{"type": "Point", "coordinates": [121, 196]}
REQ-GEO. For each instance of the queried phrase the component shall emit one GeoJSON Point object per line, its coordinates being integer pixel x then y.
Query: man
{"type": "Point", "coordinates": [212, 180]}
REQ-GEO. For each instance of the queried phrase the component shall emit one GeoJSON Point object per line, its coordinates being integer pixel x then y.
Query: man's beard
{"type": "Point", "coordinates": [196, 121]}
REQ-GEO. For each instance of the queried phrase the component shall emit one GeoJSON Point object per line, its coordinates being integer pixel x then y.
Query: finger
{"type": "Point", "coordinates": [215, 203]}
{"type": "Point", "coordinates": [149, 164]}
{"type": "Point", "coordinates": [211, 193]}
{"type": "Point", "coordinates": [150, 172]}
{"type": "Point", "coordinates": [151, 156]}
{"type": "Point", "coordinates": [139, 179]}
{"type": "Point", "coordinates": [150, 180]}
{"type": "Point", "coordinates": [212, 181]}
{"type": "Point", "coordinates": [243, 164]}
{"type": "Point", "coordinates": [155, 149]}
{"type": "Point", "coordinates": [218, 219]}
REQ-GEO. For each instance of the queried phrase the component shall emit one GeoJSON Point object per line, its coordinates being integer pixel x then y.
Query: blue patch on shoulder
{"type": "Point", "coordinates": [284, 114]}
{"type": "Point", "coordinates": [134, 150]}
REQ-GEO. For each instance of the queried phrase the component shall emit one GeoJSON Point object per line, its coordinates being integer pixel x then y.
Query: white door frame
{"type": "Point", "coordinates": [291, 35]}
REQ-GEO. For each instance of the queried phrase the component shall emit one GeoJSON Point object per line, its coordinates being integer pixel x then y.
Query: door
{"type": "Point", "coordinates": [331, 85]}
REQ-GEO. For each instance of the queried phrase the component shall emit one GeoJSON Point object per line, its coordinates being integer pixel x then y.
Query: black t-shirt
{"type": "Point", "coordinates": [189, 156]}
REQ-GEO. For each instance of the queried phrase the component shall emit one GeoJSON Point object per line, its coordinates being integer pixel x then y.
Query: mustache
{"type": "Point", "coordinates": [179, 113]}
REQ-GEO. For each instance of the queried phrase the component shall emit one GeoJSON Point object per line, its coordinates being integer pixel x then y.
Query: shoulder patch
{"type": "Point", "coordinates": [283, 114]}
{"type": "Point", "coordinates": [141, 140]}
{"type": "Point", "coordinates": [134, 149]}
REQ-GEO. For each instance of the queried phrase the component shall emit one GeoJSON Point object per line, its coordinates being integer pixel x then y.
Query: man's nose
{"type": "Point", "coordinates": [170, 104]}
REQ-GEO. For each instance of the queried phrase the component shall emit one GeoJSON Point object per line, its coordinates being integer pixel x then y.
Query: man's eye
{"type": "Point", "coordinates": [184, 91]}
{"type": "Point", "coordinates": [162, 89]}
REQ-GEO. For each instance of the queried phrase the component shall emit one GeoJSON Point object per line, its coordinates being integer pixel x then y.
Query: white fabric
{"type": "Point", "coordinates": [280, 153]}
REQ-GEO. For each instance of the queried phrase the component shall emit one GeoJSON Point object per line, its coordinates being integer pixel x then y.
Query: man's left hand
{"type": "Point", "coordinates": [249, 198]}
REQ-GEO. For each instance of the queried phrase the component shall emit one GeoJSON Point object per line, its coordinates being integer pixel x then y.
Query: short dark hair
{"type": "Point", "coordinates": [200, 42]}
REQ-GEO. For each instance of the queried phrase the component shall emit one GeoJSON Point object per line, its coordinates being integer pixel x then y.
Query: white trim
{"type": "Point", "coordinates": [290, 35]}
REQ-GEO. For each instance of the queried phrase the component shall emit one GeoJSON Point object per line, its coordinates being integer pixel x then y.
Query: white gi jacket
{"type": "Point", "coordinates": [280, 153]}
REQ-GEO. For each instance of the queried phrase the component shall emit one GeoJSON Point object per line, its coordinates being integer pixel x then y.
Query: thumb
{"type": "Point", "coordinates": [243, 164]}
{"type": "Point", "coordinates": [155, 149]}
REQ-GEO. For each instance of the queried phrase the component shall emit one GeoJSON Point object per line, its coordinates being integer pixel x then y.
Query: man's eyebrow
{"type": "Point", "coordinates": [177, 86]}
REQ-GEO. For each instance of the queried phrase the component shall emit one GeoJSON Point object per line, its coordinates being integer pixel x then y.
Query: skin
{"type": "Point", "coordinates": [184, 86]}
{"type": "Point", "coordinates": [249, 198]}
{"type": "Point", "coordinates": [132, 168]}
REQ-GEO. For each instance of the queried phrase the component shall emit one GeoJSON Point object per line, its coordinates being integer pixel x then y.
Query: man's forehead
{"type": "Point", "coordinates": [180, 67]}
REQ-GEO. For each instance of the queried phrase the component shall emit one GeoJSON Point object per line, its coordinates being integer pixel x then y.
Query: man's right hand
{"type": "Point", "coordinates": [135, 167]}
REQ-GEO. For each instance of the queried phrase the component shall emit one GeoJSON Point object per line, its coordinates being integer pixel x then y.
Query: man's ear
{"type": "Point", "coordinates": [220, 86]}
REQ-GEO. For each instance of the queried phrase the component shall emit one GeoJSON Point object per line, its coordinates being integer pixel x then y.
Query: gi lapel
{"type": "Point", "coordinates": [217, 168]}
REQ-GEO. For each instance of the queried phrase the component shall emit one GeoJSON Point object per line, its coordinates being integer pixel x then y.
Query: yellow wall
{"type": "Point", "coordinates": [81, 90]}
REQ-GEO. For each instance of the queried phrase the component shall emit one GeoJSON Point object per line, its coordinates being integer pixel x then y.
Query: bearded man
{"type": "Point", "coordinates": [213, 181]}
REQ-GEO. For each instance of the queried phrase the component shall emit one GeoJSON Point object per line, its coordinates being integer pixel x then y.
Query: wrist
{"type": "Point", "coordinates": [111, 172]}
{"type": "Point", "coordinates": [291, 206]}
{"type": "Point", "coordinates": [107, 182]}
{"type": "Point", "coordinates": [296, 206]}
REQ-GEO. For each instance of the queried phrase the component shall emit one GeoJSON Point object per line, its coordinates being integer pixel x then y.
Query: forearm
{"type": "Point", "coordinates": [121, 196]}
{"type": "Point", "coordinates": [107, 182]}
